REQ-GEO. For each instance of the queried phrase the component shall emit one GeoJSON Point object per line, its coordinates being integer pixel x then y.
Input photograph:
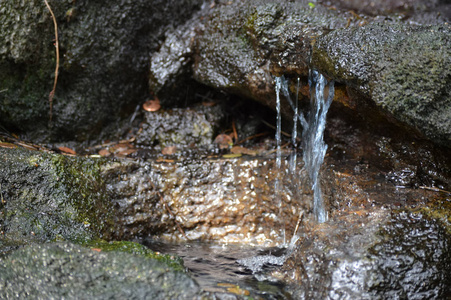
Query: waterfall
{"type": "Point", "coordinates": [313, 136]}
{"type": "Point", "coordinates": [321, 96]}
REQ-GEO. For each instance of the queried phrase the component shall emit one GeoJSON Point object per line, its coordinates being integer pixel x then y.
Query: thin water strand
{"type": "Point", "coordinates": [294, 134]}
{"type": "Point", "coordinates": [277, 185]}
{"type": "Point", "coordinates": [313, 137]}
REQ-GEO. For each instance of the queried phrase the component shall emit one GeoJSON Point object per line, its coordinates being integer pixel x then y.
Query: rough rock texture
{"type": "Point", "coordinates": [403, 69]}
{"type": "Point", "coordinates": [238, 46]}
{"type": "Point", "coordinates": [63, 270]}
{"type": "Point", "coordinates": [228, 200]}
{"type": "Point", "coordinates": [434, 10]}
{"type": "Point", "coordinates": [47, 197]}
{"type": "Point", "coordinates": [104, 54]}
{"type": "Point", "coordinates": [407, 257]}
{"type": "Point", "coordinates": [181, 127]}
{"type": "Point", "coordinates": [234, 46]}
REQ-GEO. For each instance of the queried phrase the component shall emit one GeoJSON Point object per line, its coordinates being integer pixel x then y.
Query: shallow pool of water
{"type": "Point", "coordinates": [215, 267]}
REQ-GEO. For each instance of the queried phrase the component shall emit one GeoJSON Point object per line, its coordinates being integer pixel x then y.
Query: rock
{"type": "Point", "coordinates": [438, 10]}
{"type": "Point", "coordinates": [377, 256]}
{"type": "Point", "coordinates": [181, 127]}
{"type": "Point", "coordinates": [104, 52]}
{"type": "Point", "coordinates": [48, 197]}
{"type": "Point", "coordinates": [228, 200]}
{"type": "Point", "coordinates": [402, 68]}
{"type": "Point", "coordinates": [66, 270]}
{"type": "Point", "coordinates": [231, 46]}
{"type": "Point", "coordinates": [382, 59]}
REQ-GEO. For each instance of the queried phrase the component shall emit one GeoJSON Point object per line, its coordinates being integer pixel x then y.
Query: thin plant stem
{"type": "Point", "coordinates": [52, 93]}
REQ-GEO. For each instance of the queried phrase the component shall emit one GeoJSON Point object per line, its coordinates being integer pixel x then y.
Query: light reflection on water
{"type": "Point", "coordinates": [216, 269]}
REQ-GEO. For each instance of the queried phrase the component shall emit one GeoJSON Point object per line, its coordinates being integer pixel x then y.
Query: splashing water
{"type": "Point", "coordinates": [313, 136]}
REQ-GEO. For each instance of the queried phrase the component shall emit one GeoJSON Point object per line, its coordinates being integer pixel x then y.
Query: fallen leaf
{"type": "Point", "coordinates": [208, 103]}
{"type": "Point", "coordinates": [169, 150]}
{"type": "Point", "coordinates": [125, 152]}
{"type": "Point", "coordinates": [238, 291]}
{"type": "Point", "coordinates": [242, 150]}
{"type": "Point", "coordinates": [96, 249]}
{"type": "Point", "coordinates": [233, 288]}
{"type": "Point", "coordinates": [121, 147]}
{"type": "Point", "coordinates": [232, 155]}
{"type": "Point", "coordinates": [104, 152]}
{"type": "Point", "coordinates": [152, 105]}
{"type": "Point", "coordinates": [8, 145]}
{"type": "Point", "coordinates": [165, 160]}
{"type": "Point", "coordinates": [67, 150]}
{"type": "Point", "coordinates": [26, 146]}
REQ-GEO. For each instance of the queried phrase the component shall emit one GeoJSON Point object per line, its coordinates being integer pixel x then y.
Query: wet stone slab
{"type": "Point", "coordinates": [227, 200]}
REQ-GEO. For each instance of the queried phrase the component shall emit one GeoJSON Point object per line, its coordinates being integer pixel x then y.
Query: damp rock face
{"type": "Point", "coordinates": [402, 68]}
{"type": "Point", "coordinates": [228, 200]}
{"type": "Point", "coordinates": [48, 197]}
{"type": "Point", "coordinates": [64, 270]}
{"type": "Point", "coordinates": [233, 46]}
{"type": "Point", "coordinates": [104, 53]}
{"type": "Point", "coordinates": [380, 256]}
{"type": "Point", "coordinates": [382, 59]}
{"type": "Point", "coordinates": [181, 127]}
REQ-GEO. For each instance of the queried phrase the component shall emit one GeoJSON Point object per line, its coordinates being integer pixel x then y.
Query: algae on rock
{"type": "Point", "coordinates": [49, 197]}
{"type": "Point", "coordinates": [56, 270]}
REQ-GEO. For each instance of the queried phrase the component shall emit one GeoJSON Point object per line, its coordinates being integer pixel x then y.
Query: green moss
{"type": "Point", "coordinates": [81, 179]}
{"type": "Point", "coordinates": [439, 209]}
{"type": "Point", "coordinates": [172, 261]}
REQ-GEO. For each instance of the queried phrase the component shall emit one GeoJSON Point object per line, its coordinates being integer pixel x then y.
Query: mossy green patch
{"type": "Point", "coordinates": [51, 197]}
{"type": "Point", "coordinates": [439, 209]}
{"type": "Point", "coordinates": [173, 261]}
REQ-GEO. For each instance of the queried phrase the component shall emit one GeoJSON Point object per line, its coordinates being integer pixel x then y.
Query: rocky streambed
{"type": "Point", "coordinates": [181, 202]}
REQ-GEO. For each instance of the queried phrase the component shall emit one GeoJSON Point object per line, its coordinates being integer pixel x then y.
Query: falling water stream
{"type": "Point", "coordinates": [215, 267]}
{"type": "Point", "coordinates": [321, 96]}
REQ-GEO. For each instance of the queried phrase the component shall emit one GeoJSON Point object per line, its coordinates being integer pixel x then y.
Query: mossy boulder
{"type": "Point", "coordinates": [104, 51]}
{"type": "Point", "coordinates": [64, 270]}
{"type": "Point", "coordinates": [49, 197]}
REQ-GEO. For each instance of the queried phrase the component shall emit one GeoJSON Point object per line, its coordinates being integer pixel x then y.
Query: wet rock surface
{"type": "Point", "coordinates": [57, 270]}
{"type": "Point", "coordinates": [228, 200]}
{"type": "Point", "coordinates": [386, 188]}
{"type": "Point", "coordinates": [365, 262]}
{"type": "Point", "coordinates": [401, 68]}
{"type": "Point", "coordinates": [278, 38]}
{"type": "Point", "coordinates": [181, 127]}
{"type": "Point", "coordinates": [47, 197]}
{"type": "Point", "coordinates": [104, 52]}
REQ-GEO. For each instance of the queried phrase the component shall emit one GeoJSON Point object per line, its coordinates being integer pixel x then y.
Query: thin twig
{"type": "Point", "coordinates": [176, 222]}
{"type": "Point", "coordinates": [235, 134]}
{"type": "Point", "coordinates": [1, 194]}
{"type": "Point", "coordinates": [274, 127]}
{"type": "Point", "coordinates": [52, 93]}
{"type": "Point", "coordinates": [434, 189]}
{"type": "Point", "coordinates": [252, 137]}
